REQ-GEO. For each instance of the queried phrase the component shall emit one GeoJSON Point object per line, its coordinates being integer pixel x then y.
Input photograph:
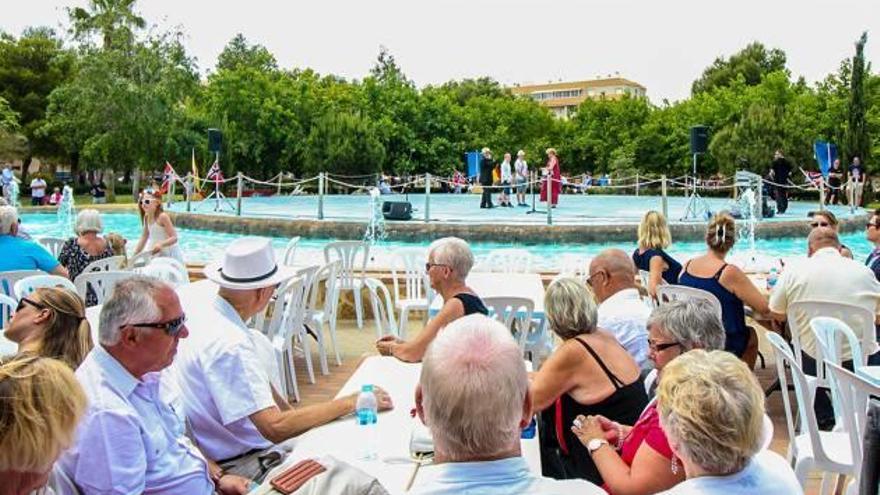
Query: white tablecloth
{"type": "Point", "coordinates": [487, 284]}
{"type": "Point", "coordinates": [393, 467]}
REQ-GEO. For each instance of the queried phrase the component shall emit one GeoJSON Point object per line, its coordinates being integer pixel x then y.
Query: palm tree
{"type": "Point", "coordinates": [113, 19]}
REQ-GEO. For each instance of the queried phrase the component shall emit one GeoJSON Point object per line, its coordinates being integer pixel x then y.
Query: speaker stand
{"type": "Point", "coordinates": [532, 191]}
{"type": "Point", "coordinates": [219, 199]}
{"type": "Point", "coordinates": [697, 208]}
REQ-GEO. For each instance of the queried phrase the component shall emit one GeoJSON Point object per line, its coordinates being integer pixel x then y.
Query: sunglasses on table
{"type": "Point", "coordinates": [24, 300]}
{"type": "Point", "coordinates": [170, 327]}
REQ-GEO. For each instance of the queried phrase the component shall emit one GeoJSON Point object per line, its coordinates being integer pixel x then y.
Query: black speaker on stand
{"type": "Point", "coordinates": [697, 207]}
{"type": "Point", "coordinates": [215, 139]}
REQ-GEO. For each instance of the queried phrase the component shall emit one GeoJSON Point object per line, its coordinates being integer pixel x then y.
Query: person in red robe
{"type": "Point", "coordinates": [553, 176]}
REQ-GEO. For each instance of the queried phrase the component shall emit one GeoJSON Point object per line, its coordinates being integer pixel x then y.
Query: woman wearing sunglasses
{"type": "Point", "coordinates": [51, 322]}
{"type": "Point", "coordinates": [824, 218]}
{"type": "Point", "coordinates": [159, 236]}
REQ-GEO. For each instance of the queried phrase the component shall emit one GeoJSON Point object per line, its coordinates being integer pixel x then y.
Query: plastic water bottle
{"type": "Point", "coordinates": [367, 415]}
{"type": "Point", "coordinates": [772, 277]}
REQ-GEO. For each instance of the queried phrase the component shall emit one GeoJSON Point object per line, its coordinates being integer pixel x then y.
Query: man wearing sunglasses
{"type": "Point", "coordinates": [131, 440]}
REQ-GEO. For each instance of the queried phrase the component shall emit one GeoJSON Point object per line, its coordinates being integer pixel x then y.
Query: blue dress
{"type": "Point", "coordinates": [643, 262]}
{"type": "Point", "coordinates": [733, 313]}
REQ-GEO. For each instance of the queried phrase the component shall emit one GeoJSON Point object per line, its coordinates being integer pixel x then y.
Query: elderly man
{"type": "Point", "coordinates": [621, 309]}
{"type": "Point", "coordinates": [826, 276]}
{"type": "Point", "coordinates": [235, 413]}
{"type": "Point", "coordinates": [131, 439]}
{"type": "Point", "coordinates": [23, 254]}
{"type": "Point", "coordinates": [473, 395]}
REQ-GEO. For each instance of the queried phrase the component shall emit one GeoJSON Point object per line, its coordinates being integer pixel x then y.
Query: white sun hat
{"type": "Point", "coordinates": [248, 263]}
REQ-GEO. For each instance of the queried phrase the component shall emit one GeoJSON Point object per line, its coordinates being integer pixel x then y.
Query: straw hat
{"type": "Point", "coordinates": [248, 263]}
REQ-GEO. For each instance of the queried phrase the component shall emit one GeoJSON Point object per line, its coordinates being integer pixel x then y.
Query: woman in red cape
{"type": "Point", "coordinates": [555, 176]}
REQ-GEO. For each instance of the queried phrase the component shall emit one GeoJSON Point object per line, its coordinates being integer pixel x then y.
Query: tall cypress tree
{"type": "Point", "coordinates": [857, 143]}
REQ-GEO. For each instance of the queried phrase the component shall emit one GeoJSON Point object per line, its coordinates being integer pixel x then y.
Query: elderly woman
{"type": "Point", "coordinates": [712, 409]}
{"type": "Point", "coordinates": [636, 459]}
{"type": "Point", "coordinates": [710, 272]}
{"type": "Point", "coordinates": [449, 261]}
{"type": "Point", "coordinates": [41, 404]}
{"type": "Point", "coordinates": [86, 247]}
{"type": "Point", "coordinates": [650, 256]}
{"type": "Point", "coordinates": [824, 218]}
{"type": "Point", "coordinates": [590, 373]}
{"type": "Point", "coordinates": [51, 322]}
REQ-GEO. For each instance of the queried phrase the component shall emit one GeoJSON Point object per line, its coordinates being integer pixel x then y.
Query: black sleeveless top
{"type": "Point", "coordinates": [733, 313]}
{"type": "Point", "coordinates": [643, 262]}
{"type": "Point", "coordinates": [624, 406]}
{"type": "Point", "coordinates": [472, 304]}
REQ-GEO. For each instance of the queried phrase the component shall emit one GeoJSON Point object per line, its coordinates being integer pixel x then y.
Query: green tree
{"type": "Point", "coordinates": [857, 142]}
{"type": "Point", "coordinates": [8, 117]}
{"type": "Point", "coordinates": [343, 143]}
{"type": "Point", "coordinates": [238, 54]}
{"type": "Point", "coordinates": [115, 21]}
{"type": "Point", "coordinates": [752, 62]}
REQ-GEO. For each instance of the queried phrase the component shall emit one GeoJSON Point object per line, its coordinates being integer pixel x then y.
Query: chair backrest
{"type": "Point", "coordinates": [801, 313]}
{"type": "Point", "coordinates": [509, 261]}
{"type": "Point", "coordinates": [8, 280]}
{"type": "Point", "coordinates": [294, 310]}
{"type": "Point", "coordinates": [309, 273]}
{"type": "Point", "coordinates": [52, 244]}
{"type": "Point", "coordinates": [290, 251]}
{"type": "Point", "coordinates": [831, 334]}
{"type": "Point", "coordinates": [670, 292]}
{"type": "Point", "coordinates": [803, 395]}
{"type": "Point", "coordinates": [348, 252]}
{"type": "Point", "coordinates": [327, 276]}
{"type": "Point", "coordinates": [27, 285]}
{"type": "Point", "coordinates": [383, 307]}
{"type": "Point", "coordinates": [853, 394]}
{"type": "Point", "coordinates": [167, 269]}
{"type": "Point", "coordinates": [515, 313]}
{"type": "Point", "coordinates": [143, 258]}
{"type": "Point", "coordinates": [408, 270]}
{"type": "Point", "coordinates": [276, 310]}
{"type": "Point", "coordinates": [7, 307]}
{"type": "Point", "coordinates": [112, 263]}
{"type": "Point", "coordinates": [102, 283]}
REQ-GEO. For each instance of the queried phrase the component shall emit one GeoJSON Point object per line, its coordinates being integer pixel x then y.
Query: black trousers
{"type": "Point", "coordinates": [486, 198]}
{"type": "Point", "coordinates": [781, 199]}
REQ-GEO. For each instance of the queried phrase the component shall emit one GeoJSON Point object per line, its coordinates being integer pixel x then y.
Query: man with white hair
{"type": "Point", "coordinates": [236, 415]}
{"type": "Point", "coordinates": [23, 254]}
{"type": "Point", "coordinates": [473, 395]}
{"type": "Point", "coordinates": [131, 439]}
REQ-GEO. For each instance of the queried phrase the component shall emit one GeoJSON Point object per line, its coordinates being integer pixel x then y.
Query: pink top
{"type": "Point", "coordinates": [646, 430]}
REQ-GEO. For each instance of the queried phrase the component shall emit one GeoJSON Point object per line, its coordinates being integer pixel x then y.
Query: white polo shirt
{"type": "Point", "coordinates": [223, 382]}
{"type": "Point", "coordinates": [625, 315]}
{"type": "Point", "coordinates": [827, 276]}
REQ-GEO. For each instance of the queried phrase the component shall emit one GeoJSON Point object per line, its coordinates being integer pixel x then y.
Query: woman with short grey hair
{"type": "Point", "coordinates": [86, 247]}
{"type": "Point", "coordinates": [449, 261]}
{"type": "Point", "coordinates": [590, 373]}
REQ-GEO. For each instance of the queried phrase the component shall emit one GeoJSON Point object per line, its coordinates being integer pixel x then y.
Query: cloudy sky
{"type": "Point", "coordinates": [663, 44]}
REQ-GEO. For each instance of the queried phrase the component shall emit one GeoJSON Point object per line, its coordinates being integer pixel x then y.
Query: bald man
{"type": "Point", "coordinates": [826, 276]}
{"type": "Point", "coordinates": [621, 308]}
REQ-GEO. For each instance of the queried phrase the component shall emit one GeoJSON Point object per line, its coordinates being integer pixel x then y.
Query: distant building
{"type": "Point", "coordinates": [563, 98]}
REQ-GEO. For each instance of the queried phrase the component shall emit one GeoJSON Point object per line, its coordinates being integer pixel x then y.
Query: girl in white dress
{"type": "Point", "coordinates": [158, 236]}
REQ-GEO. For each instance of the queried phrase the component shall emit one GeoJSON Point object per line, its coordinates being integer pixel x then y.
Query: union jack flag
{"type": "Point", "coordinates": [214, 173]}
{"type": "Point", "coordinates": [167, 176]}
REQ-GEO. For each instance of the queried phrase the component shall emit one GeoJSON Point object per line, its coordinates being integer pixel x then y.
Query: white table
{"type": "Point", "coordinates": [393, 467]}
{"type": "Point", "coordinates": [489, 284]}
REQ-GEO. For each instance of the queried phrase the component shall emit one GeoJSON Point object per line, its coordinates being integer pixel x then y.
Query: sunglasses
{"type": "Point", "coordinates": [428, 266]}
{"type": "Point", "coordinates": [819, 224]}
{"type": "Point", "coordinates": [146, 201]}
{"type": "Point", "coordinates": [661, 347]}
{"type": "Point", "coordinates": [25, 300]}
{"type": "Point", "coordinates": [171, 327]}
{"type": "Point", "coordinates": [869, 225]}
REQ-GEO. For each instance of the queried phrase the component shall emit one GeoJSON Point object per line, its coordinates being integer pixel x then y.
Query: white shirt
{"type": "Point", "coordinates": [38, 188]}
{"type": "Point", "coordinates": [131, 439]}
{"type": "Point", "coordinates": [522, 169]}
{"type": "Point", "coordinates": [505, 171]}
{"type": "Point", "coordinates": [222, 380]}
{"type": "Point", "coordinates": [827, 276]}
{"type": "Point", "coordinates": [767, 472]}
{"type": "Point", "coordinates": [625, 315]}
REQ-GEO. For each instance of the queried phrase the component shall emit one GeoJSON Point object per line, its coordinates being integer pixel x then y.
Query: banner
{"type": "Point", "coordinates": [825, 153]}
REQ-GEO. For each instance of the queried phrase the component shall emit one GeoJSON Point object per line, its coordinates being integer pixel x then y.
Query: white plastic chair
{"type": "Point", "coordinates": [853, 396]}
{"type": "Point", "coordinates": [509, 261]}
{"type": "Point", "coordinates": [289, 322]}
{"type": "Point", "coordinates": [670, 292]}
{"type": "Point", "coordinates": [326, 313]}
{"type": "Point", "coordinates": [290, 251]}
{"type": "Point", "coordinates": [167, 269]}
{"type": "Point", "coordinates": [112, 263]}
{"type": "Point", "coordinates": [7, 308]}
{"type": "Point", "coordinates": [8, 280]}
{"type": "Point", "coordinates": [309, 274]}
{"type": "Point", "coordinates": [101, 282]}
{"type": "Point", "coordinates": [27, 285]}
{"type": "Point", "coordinates": [812, 449]}
{"type": "Point", "coordinates": [347, 252]}
{"type": "Point", "coordinates": [143, 258]}
{"type": "Point", "coordinates": [383, 308]}
{"type": "Point", "coordinates": [52, 244]}
{"type": "Point", "coordinates": [416, 294]}
{"type": "Point", "coordinates": [266, 354]}
{"type": "Point", "coordinates": [515, 313]}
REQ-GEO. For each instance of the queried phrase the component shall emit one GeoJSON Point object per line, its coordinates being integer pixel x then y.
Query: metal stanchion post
{"type": "Point", "coordinates": [549, 199]}
{"type": "Point", "coordinates": [279, 183]}
{"type": "Point", "coordinates": [664, 205]}
{"type": "Point", "coordinates": [321, 196]}
{"type": "Point", "coordinates": [427, 198]}
{"type": "Point", "coordinates": [171, 191]}
{"type": "Point", "coordinates": [239, 187]}
{"type": "Point", "coordinates": [637, 185]}
{"type": "Point", "coordinates": [822, 193]}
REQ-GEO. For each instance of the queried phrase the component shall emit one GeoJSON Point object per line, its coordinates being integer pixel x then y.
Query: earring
{"type": "Point", "coordinates": [674, 466]}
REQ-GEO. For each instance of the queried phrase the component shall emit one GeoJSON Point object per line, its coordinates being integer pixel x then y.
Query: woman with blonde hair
{"type": "Point", "coordinates": [650, 256]}
{"type": "Point", "coordinates": [158, 236]}
{"type": "Point", "coordinates": [51, 322]}
{"type": "Point", "coordinates": [41, 403]}
{"type": "Point", "coordinates": [711, 272]}
{"type": "Point", "coordinates": [590, 373]}
{"type": "Point", "coordinates": [712, 410]}
{"type": "Point", "coordinates": [825, 218]}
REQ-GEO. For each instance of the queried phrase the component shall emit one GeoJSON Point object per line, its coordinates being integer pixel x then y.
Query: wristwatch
{"type": "Point", "coordinates": [596, 444]}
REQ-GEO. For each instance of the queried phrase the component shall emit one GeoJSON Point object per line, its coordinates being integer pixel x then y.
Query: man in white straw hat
{"type": "Point", "coordinates": [236, 415]}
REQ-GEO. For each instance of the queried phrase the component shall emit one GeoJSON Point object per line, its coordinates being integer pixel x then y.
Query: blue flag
{"type": "Point", "coordinates": [825, 154]}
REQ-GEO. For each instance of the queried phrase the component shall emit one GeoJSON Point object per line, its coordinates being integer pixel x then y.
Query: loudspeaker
{"type": "Point", "coordinates": [397, 210]}
{"type": "Point", "coordinates": [214, 139]}
{"type": "Point", "coordinates": [699, 139]}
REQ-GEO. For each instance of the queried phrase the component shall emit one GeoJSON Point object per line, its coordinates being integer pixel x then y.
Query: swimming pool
{"type": "Point", "coordinates": [200, 246]}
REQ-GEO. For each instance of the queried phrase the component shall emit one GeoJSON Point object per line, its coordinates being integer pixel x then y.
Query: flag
{"type": "Point", "coordinates": [167, 177]}
{"type": "Point", "coordinates": [825, 153]}
{"type": "Point", "coordinates": [195, 173]}
{"type": "Point", "coordinates": [215, 173]}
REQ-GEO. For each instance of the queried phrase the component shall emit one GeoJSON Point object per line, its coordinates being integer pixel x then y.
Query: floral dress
{"type": "Point", "coordinates": [76, 259]}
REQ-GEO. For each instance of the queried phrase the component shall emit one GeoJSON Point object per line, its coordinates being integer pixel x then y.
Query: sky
{"type": "Point", "coordinates": [662, 44]}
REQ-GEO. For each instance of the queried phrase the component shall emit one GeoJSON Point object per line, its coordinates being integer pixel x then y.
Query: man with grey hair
{"type": "Point", "coordinates": [23, 254]}
{"type": "Point", "coordinates": [473, 395]}
{"type": "Point", "coordinates": [826, 276]}
{"type": "Point", "coordinates": [621, 308]}
{"type": "Point", "coordinates": [131, 439]}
